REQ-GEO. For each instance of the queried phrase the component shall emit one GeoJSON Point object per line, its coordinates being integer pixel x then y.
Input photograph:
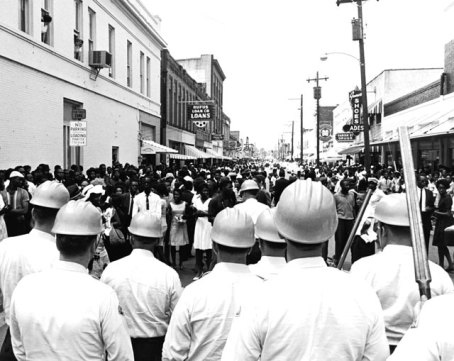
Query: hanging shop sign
{"type": "Point", "coordinates": [77, 134]}
{"type": "Point", "coordinates": [325, 132]}
{"type": "Point", "coordinates": [345, 137]}
{"type": "Point", "coordinates": [217, 137]}
{"type": "Point", "coordinates": [200, 114]}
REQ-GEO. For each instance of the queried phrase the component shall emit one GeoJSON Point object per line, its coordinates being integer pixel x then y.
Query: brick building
{"type": "Point", "coordinates": [47, 70]}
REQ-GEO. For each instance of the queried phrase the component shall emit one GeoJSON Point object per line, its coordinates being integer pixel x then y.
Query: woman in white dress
{"type": "Point", "coordinates": [3, 232]}
{"type": "Point", "coordinates": [178, 227]}
{"type": "Point", "coordinates": [202, 234]}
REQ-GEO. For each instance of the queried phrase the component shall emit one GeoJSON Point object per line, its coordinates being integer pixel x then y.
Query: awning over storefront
{"type": "Point", "coordinates": [351, 150]}
{"type": "Point", "coordinates": [182, 157]}
{"type": "Point", "coordinates": [215, 155]}
{"type": "Point", "coordinates": [150, 147]}
{"type": "Point", "coordinates": [194, 152]}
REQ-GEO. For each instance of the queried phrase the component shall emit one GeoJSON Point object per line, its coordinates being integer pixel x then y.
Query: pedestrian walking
{"type": "Point", "coordinates": [178, 229]}
{"type": "Point", "coordinates": [17, 201]}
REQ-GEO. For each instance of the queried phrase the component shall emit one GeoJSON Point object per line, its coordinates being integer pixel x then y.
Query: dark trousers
{"type": "Point", "coordinates": [199, 258]}
{"type": "Point", "coordinates": [6, 352]}
{"type": "Point", "coordinates": [426, 226]}
{"type": "Point", "coordinates": [344, 227]}
{"type": "Point", "coordinates": [147, 349]}
{"type": "Point", "coordinates": [361, 249]}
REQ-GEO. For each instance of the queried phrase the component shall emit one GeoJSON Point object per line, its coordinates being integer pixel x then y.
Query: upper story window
{"type": "Point", "coordinates": [129, 64]}
{"type": "Point", "coordinates": [78, 42]}
{"type": "Point", "coordinates": [112, 50]}
{"type": "Point", "coordinates": [25, 16]}
{"type": "Point", "coordinates": [142, 60]}
{"type": "Point", "coordinates": [46, 21]}
{"type": "Point", "coordinates": [148, 77]}
{"type": "Point", "coordinates": [91, 31]}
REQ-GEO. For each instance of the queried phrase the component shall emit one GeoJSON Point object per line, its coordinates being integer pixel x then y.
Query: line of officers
{"type": "Point", "coordinates": [292, 308]}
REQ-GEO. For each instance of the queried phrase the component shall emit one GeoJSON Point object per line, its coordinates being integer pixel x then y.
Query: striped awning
{"type": "Point", "coordinates": [182, 157]}
{"type": "Point", "coordinates": [215, 155]}
{"type": "Point", "coordinates": [194, 152]}
{"type": "Point", "coordinates": [150, 147]}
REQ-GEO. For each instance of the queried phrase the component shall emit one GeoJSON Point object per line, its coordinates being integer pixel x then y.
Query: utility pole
{"type": "Point", "coordinates": [359, 35]}
{"type": "Point", "coordinates": [293, 125]}
{"type": "Point", "coordinates": [302, 130]}
{"type": "Point", "coordinates": [317, 96]}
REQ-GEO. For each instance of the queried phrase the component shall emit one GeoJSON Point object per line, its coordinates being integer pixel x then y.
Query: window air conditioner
{"type": "Point", "coordinates": [100, 59]}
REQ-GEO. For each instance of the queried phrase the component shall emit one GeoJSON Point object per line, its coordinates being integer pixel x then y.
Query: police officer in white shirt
{"type": "Point", "coordinates": [432, 339]}
{"type": "Point", "coordinates": [203, 317]}
{"type": "Point", "coordinates": [63, 313]}
{"type": "Point", "coordinates": [33, 252]}
{"type": "Point", "coordinates": [250, 205]}
{"type": "Point", "coordinates": [391, 272]}
{"type": "Point", "coordinates": [272, 246]}
{"type": "Point", "coordinates": [147, 289]}
{"type": "Point", "coordinates": [309, 311]}
{"type": "Point", "coordinates": [147, 200]}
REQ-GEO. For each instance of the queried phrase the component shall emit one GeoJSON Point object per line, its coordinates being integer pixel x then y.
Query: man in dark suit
{"type": "Point", "coordinates": [126, 205]}
{"type": "Point", "coordinates": [279, 186]}
{"type": "Point", "coordinates": [426, 205]}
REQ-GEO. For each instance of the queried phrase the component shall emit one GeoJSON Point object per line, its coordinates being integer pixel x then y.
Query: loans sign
{"type": "Point", "coordinates": [77, 134]}
{"type": "Point", "coordinates": [200, 114]}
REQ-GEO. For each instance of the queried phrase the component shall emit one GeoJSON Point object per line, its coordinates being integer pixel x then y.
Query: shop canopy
{"type": "Point", "coordinates": [217, 156]}
{"type": "Point", "coordinates": [354, 149]}
{"type": "Point", "coordinates": [194, 152]}
{"type": "Point", "coordinates": [150, 147]}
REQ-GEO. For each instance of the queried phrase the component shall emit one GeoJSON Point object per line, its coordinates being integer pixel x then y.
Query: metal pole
{"type": "Point", "coordinates": [358, 220]}
{"type": "Point", "coordinates": [364, 91]}
{"type": "Point", "coordinates": [291, 155]}
{"type": "Point", "coordinates": [318, 129]}
{"type": "Point", "coordinates": [302, 130]}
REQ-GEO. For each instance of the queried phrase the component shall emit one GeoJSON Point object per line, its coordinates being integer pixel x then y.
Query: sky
{"type": "Point", "coordinates": [267, 49]}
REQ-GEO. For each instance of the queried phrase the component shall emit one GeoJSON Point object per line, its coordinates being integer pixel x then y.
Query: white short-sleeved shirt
{"type": "Point", "coordinates": [310, 312]}
{"type": "Point", "coordinates": [65, 314]}
{"type": "Point", "coordinates": [391, 274]}
{"type": "Point", "coordinates": [148, 291]}
{"type": "Point", "coordinates": [268, 267]}
{"type": "Point", "coordinates": [252, 207]}
{"type": "Point", "coordinates": [21, 256]}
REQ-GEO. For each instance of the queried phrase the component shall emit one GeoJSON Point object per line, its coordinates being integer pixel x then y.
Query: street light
{"type": "Point", "coordinates": [362, 66]}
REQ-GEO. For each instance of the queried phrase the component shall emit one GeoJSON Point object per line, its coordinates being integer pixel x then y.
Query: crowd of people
{"type": "Point", "coordinates": [259, 233]}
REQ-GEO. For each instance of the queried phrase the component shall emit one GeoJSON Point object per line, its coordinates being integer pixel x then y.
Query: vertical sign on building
{"type": "Point", "coordinates": [77, 133]}
{"type": "Point", "coordinates": [355, 101]}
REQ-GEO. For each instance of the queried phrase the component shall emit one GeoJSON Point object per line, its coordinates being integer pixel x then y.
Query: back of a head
{"type": "Point", "coordinates": [282, 173]}
{"type": "Point", "coordinates": [306, 213]}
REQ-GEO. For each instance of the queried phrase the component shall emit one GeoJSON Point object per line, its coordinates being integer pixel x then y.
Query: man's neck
{"type": "Point", "coordinates": [46, 228]}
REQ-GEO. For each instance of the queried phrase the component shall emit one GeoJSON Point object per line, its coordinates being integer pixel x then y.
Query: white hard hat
{"type": "Point", "coordinates": [15, 174]}
{"type": "Point", "coordinates": [392, 209]}
{"type": "Point", "coordinates": [188, 179]}
{"type": "Point", "coordinates": [146, 224]}
{"type": "Point", "coordinates": [265, 227]}
{"type": "Point", "coordinates": [249, 185]}
{"type": "Point", "coordinates": [50, 195]}
{"type": "Point", "coordinates": [306, 213]}
{"type": "Point", "coordinates": [233, 228]}
{"type": "Point", "coordinates": [78, 218]}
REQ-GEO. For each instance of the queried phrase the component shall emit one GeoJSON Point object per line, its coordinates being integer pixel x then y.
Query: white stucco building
{"type": "Point", "coordinates": [45, 74]}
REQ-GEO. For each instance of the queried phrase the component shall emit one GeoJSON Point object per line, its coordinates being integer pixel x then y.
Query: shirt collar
{"type": "Point", "coordinates": [309, 262]}
{"type": "Point", "coordinates": [37, 233]}
{"type": "Point", "coordinates": [226, 267]}
{"type": "Point", "coordinates": [396, 248]}
{"type": "Point", "coordinates": [142, 253]}
{"type": "Point", "coordinates": [70, 266]}
{"type": "Point", "coordinates": [275, 261]}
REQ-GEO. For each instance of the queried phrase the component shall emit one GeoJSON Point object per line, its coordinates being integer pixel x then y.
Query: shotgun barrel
{"type": "Point", "coordinates": [422, 271]}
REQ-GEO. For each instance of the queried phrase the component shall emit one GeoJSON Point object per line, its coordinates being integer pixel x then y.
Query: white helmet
{"type": "Point", "coordinates": [249, 185]}
{"type": "Point", "coordinates": [265, 227]}
{"type": "Point", "coordinates": [50, 195]}
{"type": "Point", "coordinates": [233, 228]}
{"type": "Point", "coordinates": [146, 224]}
{"type": "Point", "coordinates": [78, 218]}
{"type": "Point", "coordinates": [392, 209]}
{"type": "Point", "coordinates": [306, 213]}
